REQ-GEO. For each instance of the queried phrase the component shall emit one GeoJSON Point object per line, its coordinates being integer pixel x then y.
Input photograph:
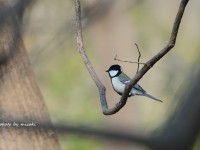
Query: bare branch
{"type": "Point", "coordinates": [138, 62]}
{"type": "Point", "coordinates": [138, 68]}
{"type": "Point", "coordinates": [83, 54]}
{"type": "Point", "coordinates": [128, 61]}
{"type": "Point", "coordinates": [139, 75]}
{"type": "Point", "coordinates": [157, 57]}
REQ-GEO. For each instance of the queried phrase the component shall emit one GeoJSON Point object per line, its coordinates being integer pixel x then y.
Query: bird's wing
{"type": "Point", "coordinates": [139, 88]}
{"type": "Point", "coordinates": [123, 78]}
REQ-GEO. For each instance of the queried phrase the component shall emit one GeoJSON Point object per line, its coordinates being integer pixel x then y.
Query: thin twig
{"type": "Point", "coordinates": [139, 75]}
{"type": "Point", "coordinates": [138, 68]}
{"type": "Point", "coordinates": [138, 62]}
{"type": "Point", "coordinates": [128, 61]}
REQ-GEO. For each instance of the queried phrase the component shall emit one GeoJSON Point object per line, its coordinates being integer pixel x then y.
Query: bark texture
{"type": "Point", "coordinates": [20, 97]}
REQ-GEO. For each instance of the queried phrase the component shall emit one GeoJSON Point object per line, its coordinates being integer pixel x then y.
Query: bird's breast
{"type": "Point", "coordinates": [117, 85]}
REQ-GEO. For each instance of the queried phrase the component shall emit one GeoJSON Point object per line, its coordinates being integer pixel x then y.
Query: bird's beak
{"type": "Point", "coordinates": [107, 70]}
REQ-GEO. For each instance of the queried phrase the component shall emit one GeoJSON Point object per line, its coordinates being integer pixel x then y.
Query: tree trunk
{"type": "Point", "coordinates": [20, 97]}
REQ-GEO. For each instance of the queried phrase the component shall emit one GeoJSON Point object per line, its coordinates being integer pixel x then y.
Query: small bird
{"type": "Point", "coordinates": [120, 79]}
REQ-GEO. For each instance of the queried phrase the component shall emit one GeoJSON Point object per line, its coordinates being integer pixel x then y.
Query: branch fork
{"type": "Point", "coordinates": [140, 73]}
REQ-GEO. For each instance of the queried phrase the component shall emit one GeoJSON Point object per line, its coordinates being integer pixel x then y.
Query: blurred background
{"type": "Point", "coordinates": [109, 28]}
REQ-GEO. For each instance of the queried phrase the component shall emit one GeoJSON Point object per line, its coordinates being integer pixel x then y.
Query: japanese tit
{"type": "Point", "coordinates": [120, 79]}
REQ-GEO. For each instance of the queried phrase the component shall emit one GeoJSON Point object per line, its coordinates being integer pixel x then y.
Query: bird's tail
{"type": "Point", "coordinates": [150, 96]}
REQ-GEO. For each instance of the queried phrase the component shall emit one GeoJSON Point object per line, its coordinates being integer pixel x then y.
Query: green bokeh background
{"type": "Point", "coordinates": [69, 92]}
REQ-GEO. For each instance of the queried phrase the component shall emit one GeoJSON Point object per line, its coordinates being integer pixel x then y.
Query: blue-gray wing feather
{"type": "Point", "coordinates": [138, 87]}
{"type": "Point", "coordinates": [125, 79]}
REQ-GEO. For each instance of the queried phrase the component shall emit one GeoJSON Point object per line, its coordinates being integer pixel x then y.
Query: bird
{"type": "Point", "coordinates": [119, 80]}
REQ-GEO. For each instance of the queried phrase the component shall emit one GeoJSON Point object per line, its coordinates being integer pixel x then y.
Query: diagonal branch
{"type": "Point", "coordinates": [139, 75]}
{"type": "Point", "coordinates": [163, 52]}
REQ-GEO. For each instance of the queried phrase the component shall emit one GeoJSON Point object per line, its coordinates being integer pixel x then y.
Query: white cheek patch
{"type": "Point", "coordinates": [113, 73]}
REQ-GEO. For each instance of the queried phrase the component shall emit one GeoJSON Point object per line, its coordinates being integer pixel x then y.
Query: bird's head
{"type": "Point", "coordinates": [114, 70]}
